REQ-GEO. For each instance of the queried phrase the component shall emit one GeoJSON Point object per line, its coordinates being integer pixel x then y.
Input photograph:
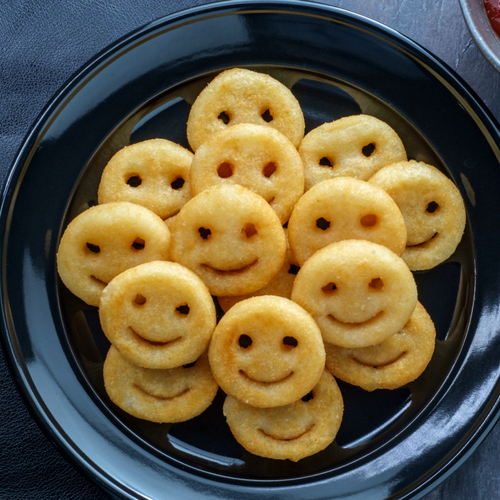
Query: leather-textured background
{"type": "Point", "coordinates": [41, 45]}
{"type": "Point", "coordinates": [40, 48]}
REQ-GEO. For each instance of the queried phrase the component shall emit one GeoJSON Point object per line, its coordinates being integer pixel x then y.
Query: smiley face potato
{"type": "Point", "coordinates": [360, 293]}
{"type": "Point", "coordinates": [353, 146]}
{"type": "Point", "coordinates": [267, 351]}
{"type": "Point", "coordinates": [239, 95]}
{"type": "Point", "coordinates": [391, 364]}
{"type": "Point", "coordinates": [161, 396]}
{"type": "Point", "coordinates": [104, 241]}
{"type": "Point", "coordinates": [255, 156]}
{"type": "Point", "coordinates": [345, 209]}
{"type": "Point", "coordinates": [432, 207]}
{"type": "Point", "coordinates": [231, 238]}
{"type": "Point", "coordinates": [153, 173]}
{"type": "Point", "coordinates": [293, 431]}
{"type": "Point", "coordinates": [158, 315]}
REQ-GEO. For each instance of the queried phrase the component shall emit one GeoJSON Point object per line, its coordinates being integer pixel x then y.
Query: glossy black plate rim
{"type": "Point", "coordinates": [188, 483]}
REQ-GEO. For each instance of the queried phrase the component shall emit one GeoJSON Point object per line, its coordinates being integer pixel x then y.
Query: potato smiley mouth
{"type": "Point", "coordinates": [162, 398]}
{"type": "Point", "coordinates": [298, 436]}
{"type": "Point", "coordinates": [98, 281]}
{"type": "Point", "coordinates": [373, 319]}
{"type": "Point", "coordinates": [423, 243]}
{"type": "Point", "coordinates": [265, 382]}
{"type": "Point", "coordinates": [380, 365]}
{"type": "Point", "coordinates": [230, 272]}
{"type": "Point", "coordinates": [140, 338]}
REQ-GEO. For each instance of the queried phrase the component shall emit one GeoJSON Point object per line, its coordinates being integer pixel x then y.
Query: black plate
{"type": "Point", "coordinates": [397, 443]}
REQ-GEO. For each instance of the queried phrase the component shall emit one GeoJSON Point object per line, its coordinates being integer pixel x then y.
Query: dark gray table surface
{"type": "Point", "coordinates": [41, 45]}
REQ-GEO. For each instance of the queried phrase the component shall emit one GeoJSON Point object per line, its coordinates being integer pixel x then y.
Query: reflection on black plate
{"type": "Point", "coordinates": [337, 64]}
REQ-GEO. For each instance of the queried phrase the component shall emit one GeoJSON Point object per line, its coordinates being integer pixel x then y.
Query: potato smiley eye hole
{"type": "Point", "coordinates": [308, 397]}
{"type": "Point", "coordinates": [224, 117]}
{"type": "Point", "coordinates": [184, 309]}
{"type": "Point", "coordinates": [249, 230]}
{"type": "Point", "coordinates": [139, 299]}
{"type": "Point", "coordinates": [330, 288]}
{"type": "Point", "coordinates": [139, 244]}
{"type": "Point", "coordinates": [293, 269]}
{"type": "Point", "coordinates": [432, 207]}
{"type": "Point", "coordinates": [177, 183]}
{"type": "Point", "coordinates": [368, 220]}
{"type": "Point", "coordinates": [267, 116]}
{"type": "Point", "coordinates": [205, 233]}
{"type": "Point", "coordinates": [290, 342]}
{"type": "Point", "coordinates": [134, 181]}
{"type": "Point", "coordinates": [376, 284]}
{"type": "Point", "coordinates": [368, 149]}
{"type": "Point", "coordinates": [93, 248]}
{"type": "Point", "coordinates": [245, 341]}
{"type": "Point", "coordinates": [322, 224]}
{"type": "Point", "coordinates": [189, 365]}
{"type": "Point", "coordinates": [269, 169]}
{"type": "Point", "coordinates": [326, 162]}
{"type": "Point", "coordinates": [225, 170]}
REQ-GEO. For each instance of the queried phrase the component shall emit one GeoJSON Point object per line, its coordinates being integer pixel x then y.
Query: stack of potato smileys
{"type": "Point", "coordinates": [308, 243]}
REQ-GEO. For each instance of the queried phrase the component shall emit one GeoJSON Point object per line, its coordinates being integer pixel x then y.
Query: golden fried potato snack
{"type": "Point", "coordinates": [170, 222]}
{"type": "Point", "coordinates": [243, 96]}
{"type": "Point", "coordinates": [258, 157]}
{"type": "Point", "coordinates": [231, 238]}
{"type": "Point", "coordinates": [294, 431]}
{"type": "Point", "coordinates": [353, 146]}
{"type": "Point", "coordinates": [267, 351]}
{"type": "Point", "coordinates": [104, 241]}
{"type": "Point", "coordinates": [154, 174]}
{"type": "Point", "coordinates": [342, 209]}
{"type": "Point", "coordinates": [158, 315]}
{"type": "Point", "coordinates": [360, 293]}
{"type": "Point", "coordinates": [395, 362]}
{"type": "Point", "coordinates": [432, 207]}
{"type": "Point", "coordinates": [161, 396]}
{"type": "Point", "coordinates": [280, 285]}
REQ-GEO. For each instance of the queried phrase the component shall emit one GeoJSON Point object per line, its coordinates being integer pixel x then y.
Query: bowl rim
{"type": "Point", "coordinates": [479, 26]}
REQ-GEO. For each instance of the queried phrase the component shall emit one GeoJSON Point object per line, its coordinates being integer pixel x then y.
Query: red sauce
{"type": "Point", "coordinates": [493, 11]}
